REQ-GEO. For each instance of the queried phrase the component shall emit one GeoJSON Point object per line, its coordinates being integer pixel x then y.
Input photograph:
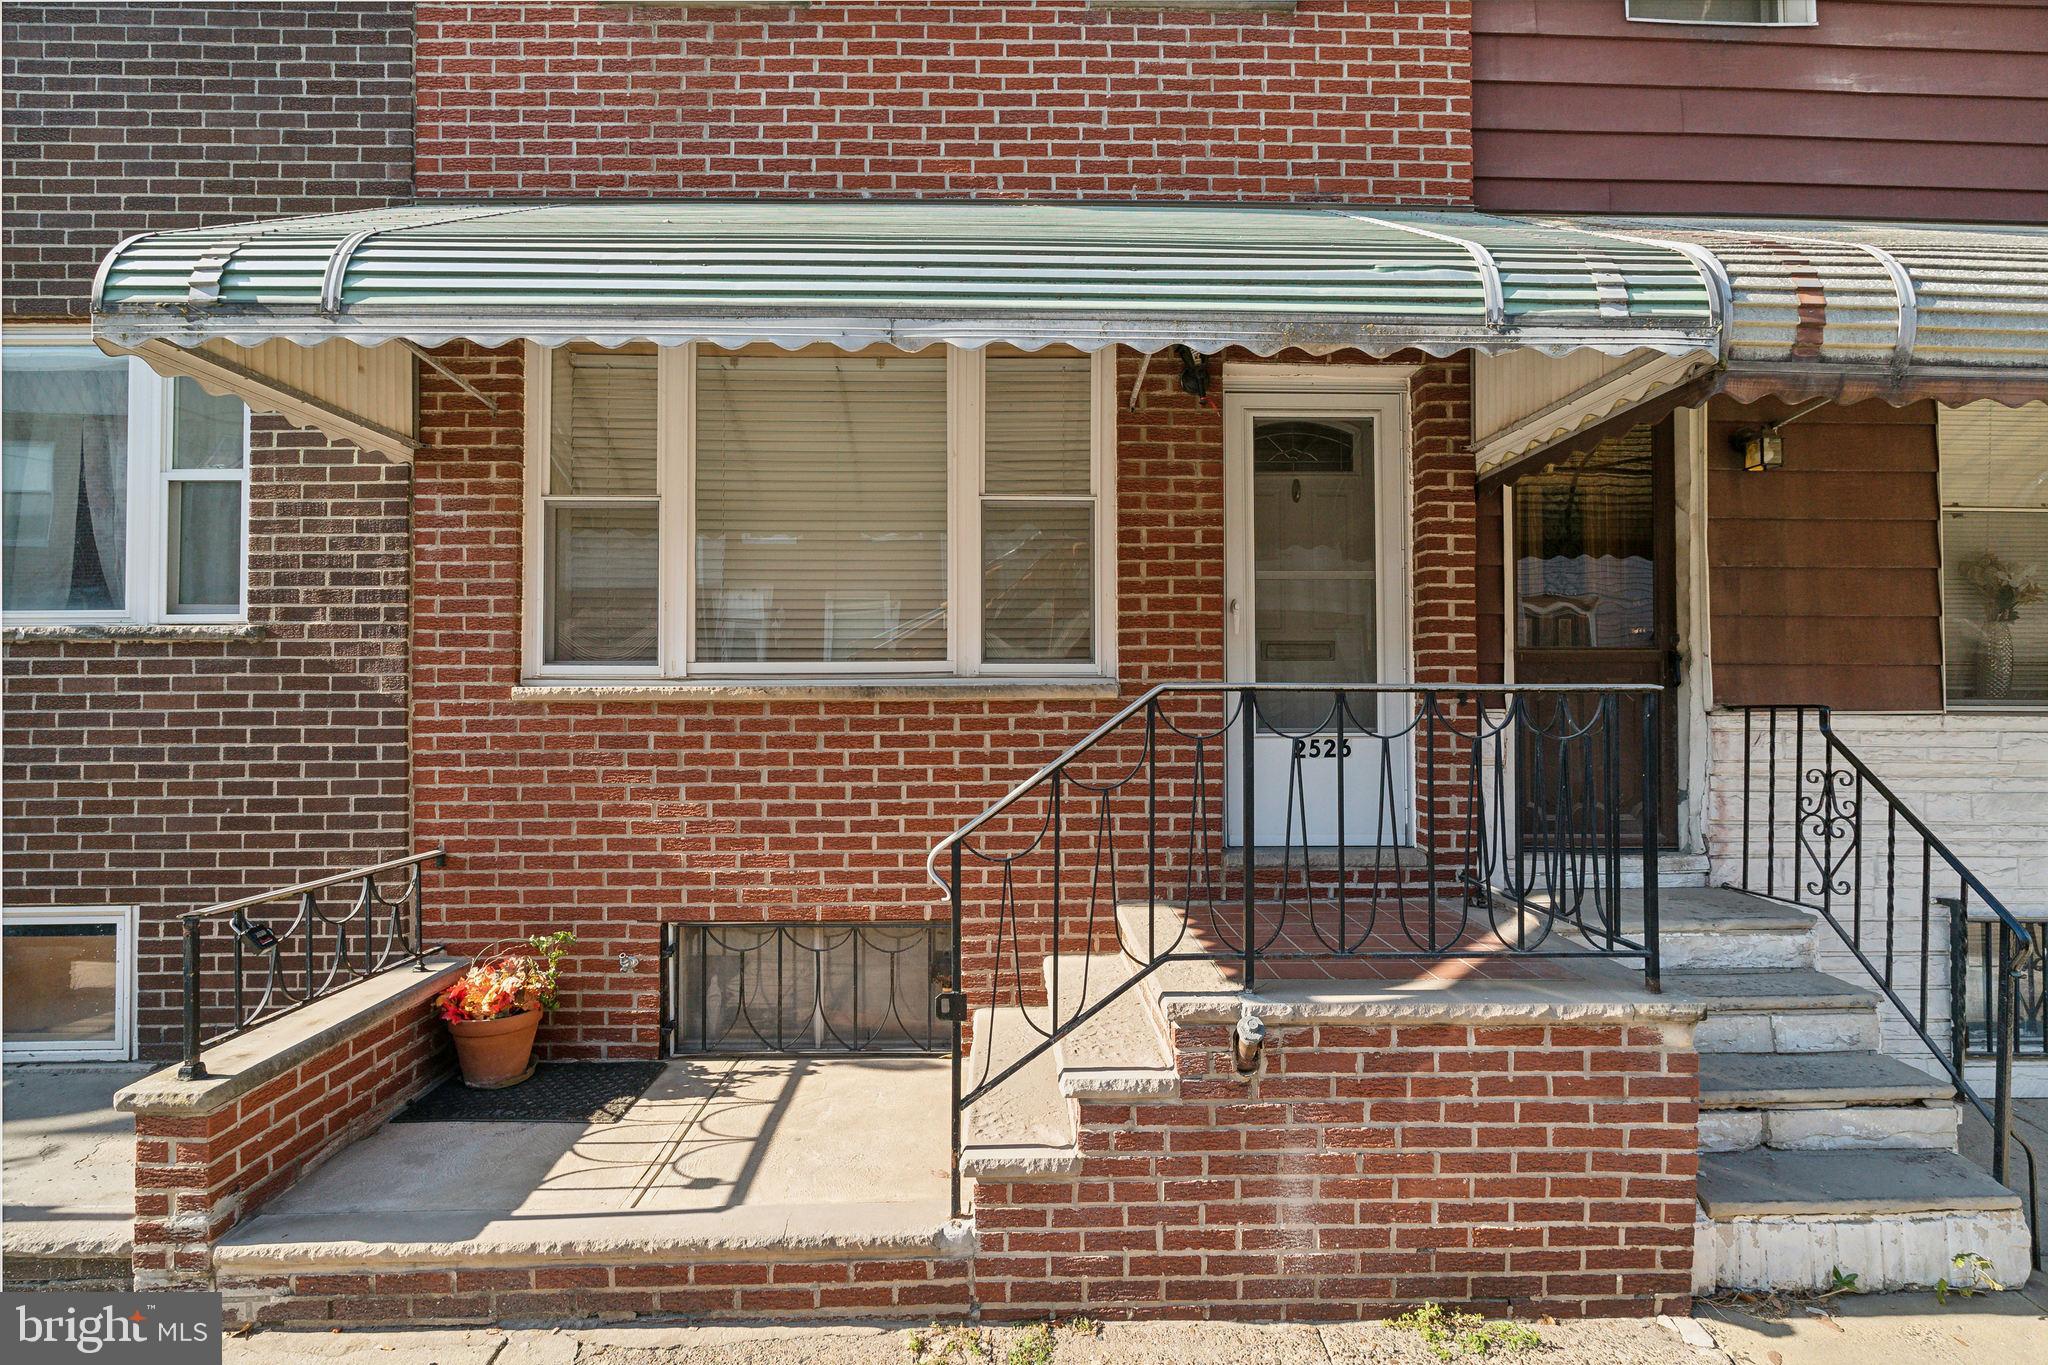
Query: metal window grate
{"type": "Point", "coordinates": [807, 988]}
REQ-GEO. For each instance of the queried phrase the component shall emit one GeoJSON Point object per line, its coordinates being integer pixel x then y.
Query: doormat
{"type": "Point", "coordinates": [558, 1092]}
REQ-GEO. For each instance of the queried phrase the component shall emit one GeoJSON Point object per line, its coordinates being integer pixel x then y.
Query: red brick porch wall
{"type": "Point", "coordinates": [196, 1177]}
{"type": "Point", "coordinates": [611, 817]}
{"type": "Point", "coordinates": [1365, 100]}
{"type": "Point", "coordinates": [1543, 1168]}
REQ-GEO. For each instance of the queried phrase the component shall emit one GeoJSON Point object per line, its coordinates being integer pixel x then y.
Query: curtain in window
{"type": "Point", "coordinates": [821, 509]}
{"type": "Point", "coordinates": [65, 480]}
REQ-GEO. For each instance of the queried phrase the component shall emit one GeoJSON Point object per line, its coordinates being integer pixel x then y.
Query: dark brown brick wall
{"type": "Point", "coordinates": [125, 118]}
{"type": "Point", "coordinates": [175, 775]}
{"type": "Point", "coordinates": [172, 775]}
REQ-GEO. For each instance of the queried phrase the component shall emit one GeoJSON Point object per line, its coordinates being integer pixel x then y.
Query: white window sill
{"type": "Point", "coordinates": [160, 631]}
{"type": "Point", "coordinates": [821, 689]}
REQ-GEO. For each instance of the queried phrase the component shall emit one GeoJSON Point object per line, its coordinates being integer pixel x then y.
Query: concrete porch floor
{"type": "Point", "coordinates": [67, 1164]}
{"type": "Point", "coordinates": [807, 1155]}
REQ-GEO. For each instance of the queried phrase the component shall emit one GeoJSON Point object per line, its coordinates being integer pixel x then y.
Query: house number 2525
{"type": "Point", "coordinates": [1321, 747]}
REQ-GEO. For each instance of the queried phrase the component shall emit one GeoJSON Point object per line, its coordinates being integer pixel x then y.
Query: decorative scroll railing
{"type": "Point", "coordinates": [1368, 829]}
{"type": "Point", "coordinates": [265, 970]}
{"type": "Point", "coordinates": [1821, 830]}
{"type": "Point", "coordinates": [802, 988]}
{"type": "Point", "coordinates": [1974, 942]}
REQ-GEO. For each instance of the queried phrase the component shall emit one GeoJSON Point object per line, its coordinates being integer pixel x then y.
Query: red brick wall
{"type": "Point", "coordinates": [916, 1287]}
{"type": "Point", "coordinates": [611, 817]}
{"type": "Point", "coordinates": [1549, 1168]}
{"type": "Point", "coordinates": [196, 1177]}
{"type": "Point", "coordinates": [171, 775]}
{"type": "Point", "coordinates": [1348, 99]}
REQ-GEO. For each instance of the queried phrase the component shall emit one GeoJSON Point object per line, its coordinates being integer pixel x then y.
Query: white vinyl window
{"type": "Point", "coordinates": [1761, 13]}
{"type": "Point", "coordinates": [124, 495]}
{"type": "Point", "coordinates": [699, 512]}
{"type": "Point", "coordinates": [70, 984]}
{"type": "Point", "coordinates": [1994, 553]}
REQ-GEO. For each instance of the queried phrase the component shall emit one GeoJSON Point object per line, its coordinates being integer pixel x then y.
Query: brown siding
{"type": "Point", "coordinates": [1886, 108]}
{"type": "Point", "coordinates": [1826, 574]}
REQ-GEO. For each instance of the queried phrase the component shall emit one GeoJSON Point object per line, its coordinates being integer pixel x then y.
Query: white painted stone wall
{"type": "Point", "coordinates": [1979, 780]}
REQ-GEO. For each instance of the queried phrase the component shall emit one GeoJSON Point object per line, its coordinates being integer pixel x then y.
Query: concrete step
{"type": "Point", "coordinates": [1821, 1101]}
{"type": "Point", "coordinates": [1119, 1053]}
{"type": "Point", "coordinates": [1744, 1080]}
{"type": "Point", "coordinates": [1895, 1219]}
{"type": "Point", "coordinates": [1023, 1126]}
{"type": "Point", "coordinates": [1715, 929]}
{"type": "Point", "coordinates": [1791, 1010]}
{"type": "Point", "coordinates": [1673, 869]}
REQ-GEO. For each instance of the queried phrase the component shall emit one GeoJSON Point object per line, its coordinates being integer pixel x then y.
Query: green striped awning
{"type": "Point", "coordinates": [911, 274]}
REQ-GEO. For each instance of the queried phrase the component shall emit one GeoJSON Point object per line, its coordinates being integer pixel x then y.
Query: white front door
{"type": "Point", "coordinates": [1316, 548]}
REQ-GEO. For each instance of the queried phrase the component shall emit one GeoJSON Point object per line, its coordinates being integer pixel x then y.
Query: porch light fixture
{"type": "Point", "coordinates": [1762, 448]}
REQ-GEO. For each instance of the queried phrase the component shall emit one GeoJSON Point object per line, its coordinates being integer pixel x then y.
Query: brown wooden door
{"type": "Point", "coordinates": [1593, 586]}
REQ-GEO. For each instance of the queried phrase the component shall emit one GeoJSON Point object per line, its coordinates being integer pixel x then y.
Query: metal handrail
{"type": "Point", "coordinates": [404, 941]}
{"type": "Point", "coordinates": [1456, 745]}
{"type": "Point", "coordinates": [1934, 841]}
{"type": "Point", "coordinates": [1829, 813]}
{"type": "Point", "coordinates": [438, 856]}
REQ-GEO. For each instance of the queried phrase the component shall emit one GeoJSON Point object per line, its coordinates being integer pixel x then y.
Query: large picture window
{"type": "Point", "coordinates": [1994, 553]}
{"type": "Point", "coordinates": [123, 494]}
{"type": "Point", "coordinates": [703, 513]}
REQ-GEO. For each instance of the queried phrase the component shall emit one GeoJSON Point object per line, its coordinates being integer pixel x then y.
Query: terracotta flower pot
{"type": "Point", "coordinates": [495, 1053]}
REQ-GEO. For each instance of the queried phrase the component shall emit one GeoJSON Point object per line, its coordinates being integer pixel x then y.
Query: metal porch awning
{"type": "Point", "coordinates": [853, 274]}
{"type": "Point", "coordinates": [1845, 310]}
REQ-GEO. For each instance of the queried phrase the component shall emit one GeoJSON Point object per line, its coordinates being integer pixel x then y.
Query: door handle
{"type": "Point", "coordinates": [1236, 623]}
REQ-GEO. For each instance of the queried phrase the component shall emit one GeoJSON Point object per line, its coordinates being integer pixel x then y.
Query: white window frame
{"type": "Point", "coordinates": [1951, 702]}
{"type": "Point", "coordinates": [150, 476]}
{"type": "Point", "coordinates": [126, 920]}
{"type": "Point", "coordinates": [1792, 14]}
{"type": "Point", "coordinates": [675, 489]}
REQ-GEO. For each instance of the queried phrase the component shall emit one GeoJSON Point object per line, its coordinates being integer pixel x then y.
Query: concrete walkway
{"type": "Point", "coordinates": [1907, 1329]}
{"type": "Point", "coordinates": [720, 1154]}
{"type": "Point", "coordinates": [68, 1160]}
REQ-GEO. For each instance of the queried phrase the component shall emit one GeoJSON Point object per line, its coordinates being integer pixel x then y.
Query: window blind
{"type": "Point", "coordinates": [1994, 456]}
{"type": "Point", "coordinates": [602, 517]}
{"type": "Point", "coordinates": [821, 509]}
{"type": "Point", "coordinates": [1038, 512]}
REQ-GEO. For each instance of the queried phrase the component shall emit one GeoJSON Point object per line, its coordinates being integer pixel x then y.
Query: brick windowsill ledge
{"type": "Point", "coordinates": [280, 1099]}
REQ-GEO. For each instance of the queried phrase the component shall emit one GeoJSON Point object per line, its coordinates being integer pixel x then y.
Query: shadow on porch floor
{"type": "Point", "coordinates": [720, 1155]}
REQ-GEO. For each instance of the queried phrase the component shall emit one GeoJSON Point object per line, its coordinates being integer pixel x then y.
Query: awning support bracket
{"type": "Point", "coordinates": [440, 367]}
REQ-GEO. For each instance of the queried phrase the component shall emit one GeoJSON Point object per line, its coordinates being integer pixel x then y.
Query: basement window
{"type": "Point", "coordinates": [1751, 13]}
{"type": "Point", "coordinates": [808, 988]}
{"type": "Point", "coordinates": [70, 984]}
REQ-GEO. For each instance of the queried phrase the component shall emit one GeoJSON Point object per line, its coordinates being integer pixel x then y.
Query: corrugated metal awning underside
{"type": "Point", "coordinates": [856, 274]}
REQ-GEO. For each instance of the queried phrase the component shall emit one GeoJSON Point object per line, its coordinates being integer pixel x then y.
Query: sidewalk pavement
{"type": "Point", "coordinates": [1901, 1329]}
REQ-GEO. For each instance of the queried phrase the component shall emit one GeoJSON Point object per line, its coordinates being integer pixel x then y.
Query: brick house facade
{"type": "Point", "coordinates": [1273, 1151]}
{"type": "Point", "coordinates": [167, 769]}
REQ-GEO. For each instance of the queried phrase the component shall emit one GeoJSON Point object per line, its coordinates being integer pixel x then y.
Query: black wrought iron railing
{"type": "Point", "coordinates": [1369, 829]}
{"type": "Point", "coordinates": [1821, 830]}
{"type": "Point", "coordinates": [250, 970]}
{"type": "Point", "coordinates": [802, 988]}
{"type": "Point", "coordinates": [1974, 943]}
